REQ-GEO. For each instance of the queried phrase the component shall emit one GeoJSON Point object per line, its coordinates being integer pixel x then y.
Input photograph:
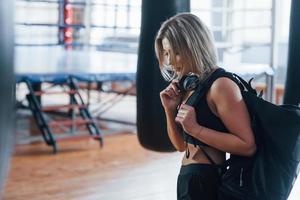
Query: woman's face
{"type": "Point", "coordinates": [167, 50]}
{"type": "Point", "coordinates": [171, 70]}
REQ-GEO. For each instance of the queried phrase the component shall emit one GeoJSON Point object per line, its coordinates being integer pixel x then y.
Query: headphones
{"type": "Point", "coordinates": [188, 82]}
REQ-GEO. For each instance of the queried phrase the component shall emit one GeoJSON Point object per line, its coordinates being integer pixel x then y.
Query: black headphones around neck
{"type": "Point", "coordinates": [188, 82]}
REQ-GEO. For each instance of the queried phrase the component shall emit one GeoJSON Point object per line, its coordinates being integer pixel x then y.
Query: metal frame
{"type": "Point", "coordinates": [41, 121]}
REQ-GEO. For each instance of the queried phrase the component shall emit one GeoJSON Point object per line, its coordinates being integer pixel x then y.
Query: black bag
{"type": "Point", "coordinates": [271, 172]}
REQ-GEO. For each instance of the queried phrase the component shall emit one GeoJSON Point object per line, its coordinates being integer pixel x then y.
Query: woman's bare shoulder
{"type": "Point", "coordinates": [225, 88]}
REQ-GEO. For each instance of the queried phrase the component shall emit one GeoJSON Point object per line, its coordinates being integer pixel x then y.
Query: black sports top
{"type": "Point", "coordinates": [204, 115]}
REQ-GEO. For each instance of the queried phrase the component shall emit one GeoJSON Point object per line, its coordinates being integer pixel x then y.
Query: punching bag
{"type": "Point", "coordinates": [292, 85]}
{"type": "Point", "coordinates": [6, 87]}
{"type": "Point", "coordinates": [151, 122]}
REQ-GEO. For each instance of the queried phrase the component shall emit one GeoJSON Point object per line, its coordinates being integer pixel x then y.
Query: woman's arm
{"type": "Point", "coordinates": [175, 132]}
{"type": "Point", "coordinates": [231, 109]}
{"type": "Point", "coordinates": [170, 98]}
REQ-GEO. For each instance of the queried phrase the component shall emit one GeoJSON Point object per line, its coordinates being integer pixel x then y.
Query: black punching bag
{"type": "Point", "coordinates": [292, 85]}
{"type": "Point", "coordinates": [151, 122]}
{"type": "Point", "coordinates": [6, 86]}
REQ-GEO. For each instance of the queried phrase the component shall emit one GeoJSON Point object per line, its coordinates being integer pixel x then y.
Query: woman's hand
{"type": "Point", "coordinates": [170, 97]}
{"type": "Point", "coordinates": [186, 116]}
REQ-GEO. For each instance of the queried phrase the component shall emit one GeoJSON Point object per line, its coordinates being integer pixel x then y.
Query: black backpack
{"type": "Point", "coordinates": [271, 172]}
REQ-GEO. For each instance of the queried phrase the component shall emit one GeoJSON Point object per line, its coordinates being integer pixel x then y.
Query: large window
{"type": "Point", "coordinates": [244, 29]}
{"type": "Point", "coordinates": [104, 24]}
{"type": "Point", "coordinates": [115, 25]}
{"type": "Point", "coordinates": [36, 22]}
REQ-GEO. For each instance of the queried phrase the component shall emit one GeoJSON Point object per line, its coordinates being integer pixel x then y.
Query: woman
{"type": "Point", "coordinates": [184, 45]}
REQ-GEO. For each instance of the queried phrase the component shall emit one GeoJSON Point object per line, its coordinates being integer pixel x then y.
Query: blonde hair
{"type": "Point", "coordinates": [191, 40]}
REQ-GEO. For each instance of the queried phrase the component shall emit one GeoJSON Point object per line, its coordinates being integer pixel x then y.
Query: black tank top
{"type": "Point", "coordinates": [205, 117]}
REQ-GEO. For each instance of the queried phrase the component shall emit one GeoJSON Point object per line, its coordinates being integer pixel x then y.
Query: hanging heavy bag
{"type": "Point", "coordinates": [270, 173]}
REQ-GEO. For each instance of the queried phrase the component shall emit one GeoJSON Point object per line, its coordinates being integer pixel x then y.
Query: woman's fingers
{"type": "Point", "coordinates": [178, 119]}
{"type": "Point", "coordinates": [181, 113]}
{"type": "Point", "coordinates": [172, 91]}
{"type": "Point", "coordinates": [173, 85]}
{"type": "Point", "coordinates": [185, 107]}
{"type": "Point", "coordinates": [184, 111]}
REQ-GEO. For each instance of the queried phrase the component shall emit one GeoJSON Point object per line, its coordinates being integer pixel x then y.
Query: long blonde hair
{"type": "Point", "coordinates": [191, 40]}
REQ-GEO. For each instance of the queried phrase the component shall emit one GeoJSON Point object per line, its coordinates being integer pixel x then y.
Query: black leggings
{"type": "Point", "coordinates": [197, 182]}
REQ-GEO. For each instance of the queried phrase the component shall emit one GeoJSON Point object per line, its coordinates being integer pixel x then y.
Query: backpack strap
{"type": "Point", "coordinates": [220, 168]}
{"type": "Point", "coordinates": [208, 156]}
{"type": "Point", "coordinates": [243, 85]}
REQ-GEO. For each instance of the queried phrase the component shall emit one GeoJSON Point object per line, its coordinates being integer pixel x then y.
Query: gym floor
{"type": "Point", "coordinates": [121, 170]}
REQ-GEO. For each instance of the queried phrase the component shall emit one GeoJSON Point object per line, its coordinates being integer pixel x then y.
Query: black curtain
{"type": "Point", "coordinates": [292, 85]}
{"type": "Point", "coordinates": [151, 122]}
{"type": "Point", "coordinates": [6, 86]}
